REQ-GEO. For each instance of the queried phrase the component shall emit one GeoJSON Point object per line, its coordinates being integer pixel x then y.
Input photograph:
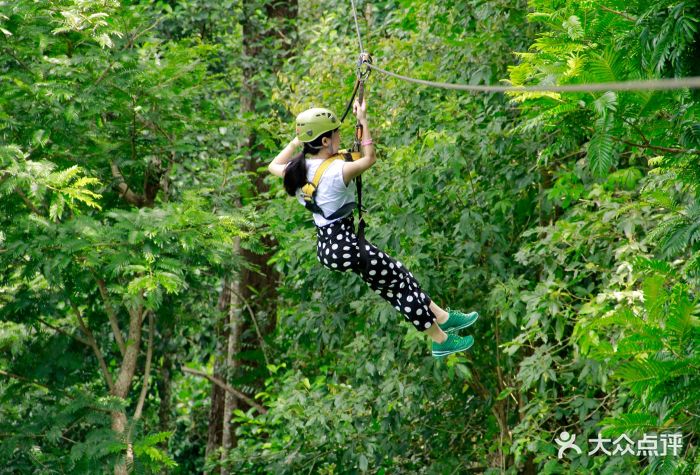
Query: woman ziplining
{"type": "Point", "coordinates": [332, 200]}
{"type": "Point", "coordinates": [325, 184]}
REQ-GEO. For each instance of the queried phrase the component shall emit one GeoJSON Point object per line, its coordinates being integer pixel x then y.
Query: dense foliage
{"type": "Point", "coordinates": [571, 222]}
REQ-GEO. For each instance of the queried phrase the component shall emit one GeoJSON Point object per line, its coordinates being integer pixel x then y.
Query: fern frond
{"type": "Point", "coordinates": [556, 45]}
{"type": "Point", "coordinates": [655, 298]}
{"type": "Point", "coordinates": [691, 267]}
{"type": "Point", "coordinates": [691, 136]}
{"type": "Point", "coordinates": [606, 66]}
{"type": "Point", "coordinates": [542, 120]}
{"type": "Point", "coordinates": [686, 396]}
{"type": "Point", "coordinates": [600, 153]}
{"type": "Point", "coordinates": [629, 423]}
{"type": "Point", "coordinates": [677, 238]}
{"type": "Point", "coordinates": [644, 340]}
{"type": "Point", "coordinates": [682, 390]}
{"type": "Point", "coordinates": [623, 317]}
{"type": "Point", "coordinates": [682, 316]}
{"type": "Point", "coordinates": [667, 465]}
{"type": "Point", "coordinates": [604, 104]}
{"type": "Point", "coordinates": [639, 375]}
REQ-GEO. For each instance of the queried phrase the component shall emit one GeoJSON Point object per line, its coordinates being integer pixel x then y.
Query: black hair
{"type": "Point", "coordinates": [295, 173]}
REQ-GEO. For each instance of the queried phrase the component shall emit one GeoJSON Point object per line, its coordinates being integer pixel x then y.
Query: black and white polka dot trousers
{"type": "Point", "coordinates": [338, 249]}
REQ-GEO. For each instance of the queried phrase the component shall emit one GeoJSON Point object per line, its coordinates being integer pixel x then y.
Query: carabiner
{"type": "Point", "coordinates": [362, 69]}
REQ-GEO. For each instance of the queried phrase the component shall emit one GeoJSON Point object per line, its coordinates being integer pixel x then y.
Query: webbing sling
{"type": "Point", "coordinates": [362, 72]}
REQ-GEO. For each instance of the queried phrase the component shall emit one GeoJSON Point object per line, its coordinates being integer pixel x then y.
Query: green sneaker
{"type": "Point", "coordinates": [458, 320]}
{"type": "Point", "coordinates": [452, 344]}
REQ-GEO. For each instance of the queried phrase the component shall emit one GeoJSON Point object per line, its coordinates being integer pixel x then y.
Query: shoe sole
{"type": "Point", "coordinates": [445, 353]}
{"type": "Point", "coordinates": [454, 329]}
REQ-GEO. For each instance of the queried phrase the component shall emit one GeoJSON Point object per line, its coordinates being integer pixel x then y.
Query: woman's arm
{"type": "Point", "coordinates": [276, 167]}
{"type": "Point", "coordinates": [353, 169]}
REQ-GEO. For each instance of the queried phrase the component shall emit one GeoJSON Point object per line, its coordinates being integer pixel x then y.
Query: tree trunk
{"type": "Point", "coordinates": [259, 280]}
{"type": "Point", "coordinates": [216, 411]}
{"type": "Point", "coordinates": [165, 383]}
{"type": "Point", "coordinates": [256, 284]}
{"type": "Point", "coordinates": [123, 384]}
{"type": "Point", "coordinates": [233, 364]}
{"type": "Point", "coordinates": [119, 426]}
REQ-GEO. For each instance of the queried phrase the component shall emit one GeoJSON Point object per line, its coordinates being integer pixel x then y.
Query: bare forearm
{"type": "Point", "coordinates": [367, 150]}
{"type": "Point", "coordinates": [287, 152]}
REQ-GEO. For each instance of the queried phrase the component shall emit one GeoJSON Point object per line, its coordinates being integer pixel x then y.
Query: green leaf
{"type": "Point", "coordinates": [363, 463]}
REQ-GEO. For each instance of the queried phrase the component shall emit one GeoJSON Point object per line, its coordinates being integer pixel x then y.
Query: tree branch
{"type": "Point", "coordinates": [19, 61]}
{"type": "Point", "coordinates": [113, 320]}
{"type": "Point", "coordinates": [656, 147]}
{"type": "Point", "coordinates": [132, 138]}
{"type": "Point", "coordinates": [129, 44]}
{"type": "Point", "coordinates": [499, 372]}
{"type": "Point", "coordinates": [29, 204]}
{"type": "Point", "coordinates": [124, 190]}
{"type": "Point", "coordinates": [163, 175]}
{"type": "Point", "coordinates": [95, 348]}
{"type": "Point", "coordinates": [226, 387]}
{"type": "Point", "coordinates": [184, 71]}
{"type": "Point", "coordinates": [263, 345]}
{"type": "Point", "coordinates": [147, 369]}
{"type": "Point", "coordinates": [104, 73]}
{"type": "Point", "coordinates": [155, 127]}
{"type": "Point", "coordinates": [165, 178]}
{"type": "Point", "coordinates": [52, 390]}
{"type": "Point", "coordinates": [128, 367]}
{"type": "Point", "coordinates": [636, 127]}
{"type": "Point", "coordinates": [24, 379]}
{"type": "Point", "coordinates": [624, 15]}
{"type": "Point", "coordinates": [133, 38]}
{"type": "Point", "coordinates": [62, 331]}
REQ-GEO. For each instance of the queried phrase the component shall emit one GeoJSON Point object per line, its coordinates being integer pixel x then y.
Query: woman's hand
{"type": "Point", "coordinates": [278, 165]}
{"type": "Point", "coordinates": [360, 110]}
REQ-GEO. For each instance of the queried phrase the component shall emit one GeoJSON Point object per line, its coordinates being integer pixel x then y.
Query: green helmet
{"type": "Point", "coordinates": [313, 122]}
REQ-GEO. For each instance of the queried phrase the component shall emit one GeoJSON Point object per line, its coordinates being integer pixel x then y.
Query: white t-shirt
{"type": "Point", "coordinates": [332, 193]}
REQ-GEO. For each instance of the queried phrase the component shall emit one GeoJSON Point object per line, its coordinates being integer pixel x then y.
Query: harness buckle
{"type": "Point", "coordinates": [308, 191]}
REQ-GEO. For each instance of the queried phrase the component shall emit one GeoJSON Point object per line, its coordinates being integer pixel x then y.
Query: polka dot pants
{"type": "Point", "coordinates": [338, 249]}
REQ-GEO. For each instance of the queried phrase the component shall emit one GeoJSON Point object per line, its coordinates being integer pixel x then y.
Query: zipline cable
{"type": "Point", "coordinates": [357, 27]}
{"type": "Point", "coordinates": [692, 82]}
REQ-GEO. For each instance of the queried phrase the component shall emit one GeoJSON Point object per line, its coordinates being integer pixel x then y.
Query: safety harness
{"type": "Point", "coordinates": [308, 191]}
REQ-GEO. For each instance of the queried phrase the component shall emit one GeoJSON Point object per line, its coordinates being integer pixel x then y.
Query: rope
{"type": "Point", "coordinates": [637, 85]}
{"type": "Point", "coordinates": [357, 27]}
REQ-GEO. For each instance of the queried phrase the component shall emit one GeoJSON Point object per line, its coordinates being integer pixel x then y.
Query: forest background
{"type": "Point", "coordinates": [161, 307]}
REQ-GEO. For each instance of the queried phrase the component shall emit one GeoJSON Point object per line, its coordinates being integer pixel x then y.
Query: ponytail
{"type": "Point", "coordinates": [295, 174]}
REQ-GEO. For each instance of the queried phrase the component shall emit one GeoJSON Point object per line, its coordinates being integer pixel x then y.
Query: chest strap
{"type": "Point", "coordinates": [308, 191]}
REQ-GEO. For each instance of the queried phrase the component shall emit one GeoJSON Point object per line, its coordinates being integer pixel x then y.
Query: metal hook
{"type": "Point", "coordinates": [363, 69]}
